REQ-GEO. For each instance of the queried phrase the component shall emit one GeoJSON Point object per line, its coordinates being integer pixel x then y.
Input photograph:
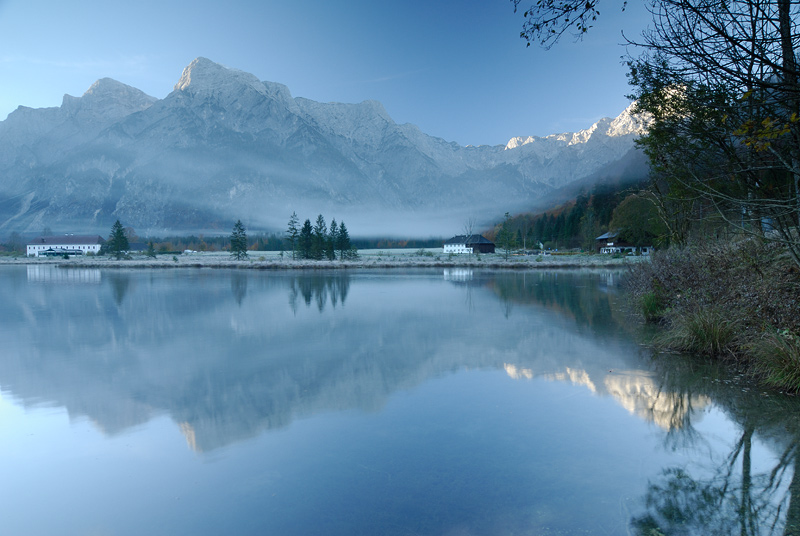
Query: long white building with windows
{"type": "Point", "coordinates": [64, 245]}
{"type": "Point", "coordinates": [468, 244]}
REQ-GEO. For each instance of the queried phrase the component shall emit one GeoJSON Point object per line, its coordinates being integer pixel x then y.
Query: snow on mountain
{"type": "Point", "coordinates": [224, 145]}
{"type": "Point", "coordinates": [624, 125]}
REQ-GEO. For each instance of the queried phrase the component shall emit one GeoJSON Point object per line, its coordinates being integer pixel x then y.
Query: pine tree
{"type": "Point", "coordinates": [151, 251]}
{"type": "Point", "coordinates": [117, 241]}
{"type": "Point", "coordinates": [293, 233]}
{"type": "Point", "coordinates": [346, 250]}
{"type": "Point", "coordinates": [305, 240]}
{"type": "Point", "coordinates": [320, 237]}
{"type": "Point", "coordinates": [333, 234]}
{"type": "Point", "coordinates": [239, 241]}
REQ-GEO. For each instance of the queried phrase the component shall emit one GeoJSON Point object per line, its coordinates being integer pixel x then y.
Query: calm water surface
{"type": "Point", "coordinates": [451, 402]}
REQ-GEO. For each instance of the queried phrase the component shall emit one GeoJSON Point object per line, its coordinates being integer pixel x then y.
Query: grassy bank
{"type": "Point", "coordinates": [737, 301]}
{"type": "Point", "coordinates": [394, 258]}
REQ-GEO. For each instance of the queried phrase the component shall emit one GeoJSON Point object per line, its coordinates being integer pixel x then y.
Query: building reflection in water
{"type": "Point", "coordinates": [54, 274]}
{"type": "Point", "coordinates": [458, 274]}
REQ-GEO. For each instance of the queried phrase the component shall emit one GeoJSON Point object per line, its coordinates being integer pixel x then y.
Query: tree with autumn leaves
{"type": "Point", "coordinates": [720, 85]}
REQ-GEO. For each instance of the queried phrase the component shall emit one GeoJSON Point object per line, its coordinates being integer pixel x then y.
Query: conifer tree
{"type": "Point", "coordinates": [117, 241]}
{"type": "Point", "coordinates": [293, 233]}
{"type": "Point", "coordinates": [319, 239]}
{"type": "Point", "coordinates": [238, 241]}
{"type": "Point", "coordinates": [305, 240]}
{"type": "Point", "coordinates": [333, 234]}
{"type": "Point", "coordinates": [346, 250]}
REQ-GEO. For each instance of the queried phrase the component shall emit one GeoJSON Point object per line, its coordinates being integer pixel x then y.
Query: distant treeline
{"type": "Point", "coordinates": [573, 225]}
{"type": "Point", "coordinates": [275, 242]}
{"type": "Point", "coordinates": [397, 243]}
{"type": "Point", "coordinates": [256, 242]}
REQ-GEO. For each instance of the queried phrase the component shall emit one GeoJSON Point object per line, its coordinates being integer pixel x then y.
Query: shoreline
{"type": "Point", "coordinates": [379, 260]}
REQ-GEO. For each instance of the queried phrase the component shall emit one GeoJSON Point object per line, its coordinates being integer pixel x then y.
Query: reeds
{"type": "Point", "coordinates": [709, 332]}
{"type": "Point", "coordinates": [776, 358]}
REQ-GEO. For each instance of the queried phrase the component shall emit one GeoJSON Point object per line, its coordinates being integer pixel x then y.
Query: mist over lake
{"type": "Point", "coordinates": [435, 401]}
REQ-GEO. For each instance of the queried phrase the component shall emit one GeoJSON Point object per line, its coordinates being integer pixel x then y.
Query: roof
{"type": "Point", "coordinates": [67, 240]}
{"type": "Point", "coordinates": [607, 236]}
{"type": "Point", "coordinates": [471, 239]}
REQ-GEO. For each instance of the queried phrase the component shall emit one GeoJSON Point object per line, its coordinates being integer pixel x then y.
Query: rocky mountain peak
{"type": "Point", "coordinates": [203, 75]}
{"type": "Point", "coordinates": [625, 124]}
{"type": "Point", "coordinates": [109, 98]}
{"type": "Point", "coordinates": [628, 123]}
{"type": "Point", "coordinates": [255, 152]}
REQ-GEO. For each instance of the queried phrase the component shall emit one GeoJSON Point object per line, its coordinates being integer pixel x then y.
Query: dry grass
{"type": "Point", "coordinates": [719, 298]}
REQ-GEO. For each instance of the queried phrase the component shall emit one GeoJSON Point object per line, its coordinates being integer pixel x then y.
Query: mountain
{"type": "Point", "coordinates": [224, 145]}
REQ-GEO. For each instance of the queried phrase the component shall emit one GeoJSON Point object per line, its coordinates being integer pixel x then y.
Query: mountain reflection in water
{"type": "Point", "coordinates": [231, 355]}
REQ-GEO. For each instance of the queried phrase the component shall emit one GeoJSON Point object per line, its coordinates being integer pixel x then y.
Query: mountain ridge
{"type": "Point", "coordinates": [224, 145]}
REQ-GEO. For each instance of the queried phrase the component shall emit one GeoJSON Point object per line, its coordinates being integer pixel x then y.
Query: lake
{"type": "Point", "coordinates": [428, 402]}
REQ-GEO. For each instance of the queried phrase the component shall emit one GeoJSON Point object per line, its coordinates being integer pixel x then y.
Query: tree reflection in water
{"type": "Point", "coordinates": [239, 286]}
{"type": "Point", "coordinates": [726, 495]}
{"type": "Point", "coordinates": [119, 281]}
{"type": "Point", "coordinates": [319, 289]}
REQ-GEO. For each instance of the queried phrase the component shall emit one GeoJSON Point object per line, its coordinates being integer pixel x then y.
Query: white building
{"type": "Point", "coordinates": [468, 244]}
{"type": "Point", "coordinates": [64, 245]}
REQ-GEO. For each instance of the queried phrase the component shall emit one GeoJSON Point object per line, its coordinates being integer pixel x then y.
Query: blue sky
{"type": "Point", "coordinates": [458, 70]}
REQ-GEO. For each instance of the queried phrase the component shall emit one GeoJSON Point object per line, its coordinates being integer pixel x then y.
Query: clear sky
{"type": "Point", "coordinates": [456, 69]}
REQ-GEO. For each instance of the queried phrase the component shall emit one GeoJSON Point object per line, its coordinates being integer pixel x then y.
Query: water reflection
{"type": "Point", "coordinates": [230, 355]}
{"type": "Point", "coordinates": [54, 274]}
{"type": "Point", "coordinates": [119, 282]}
{"type": "Point", "coordinates": [239, 286]}
{"type": "Point", "coordinates": [319, 289]}
{"type": "Point", "coordinates": [226, 367]}
{"type": "Point", "coordinates": [727, 491]}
